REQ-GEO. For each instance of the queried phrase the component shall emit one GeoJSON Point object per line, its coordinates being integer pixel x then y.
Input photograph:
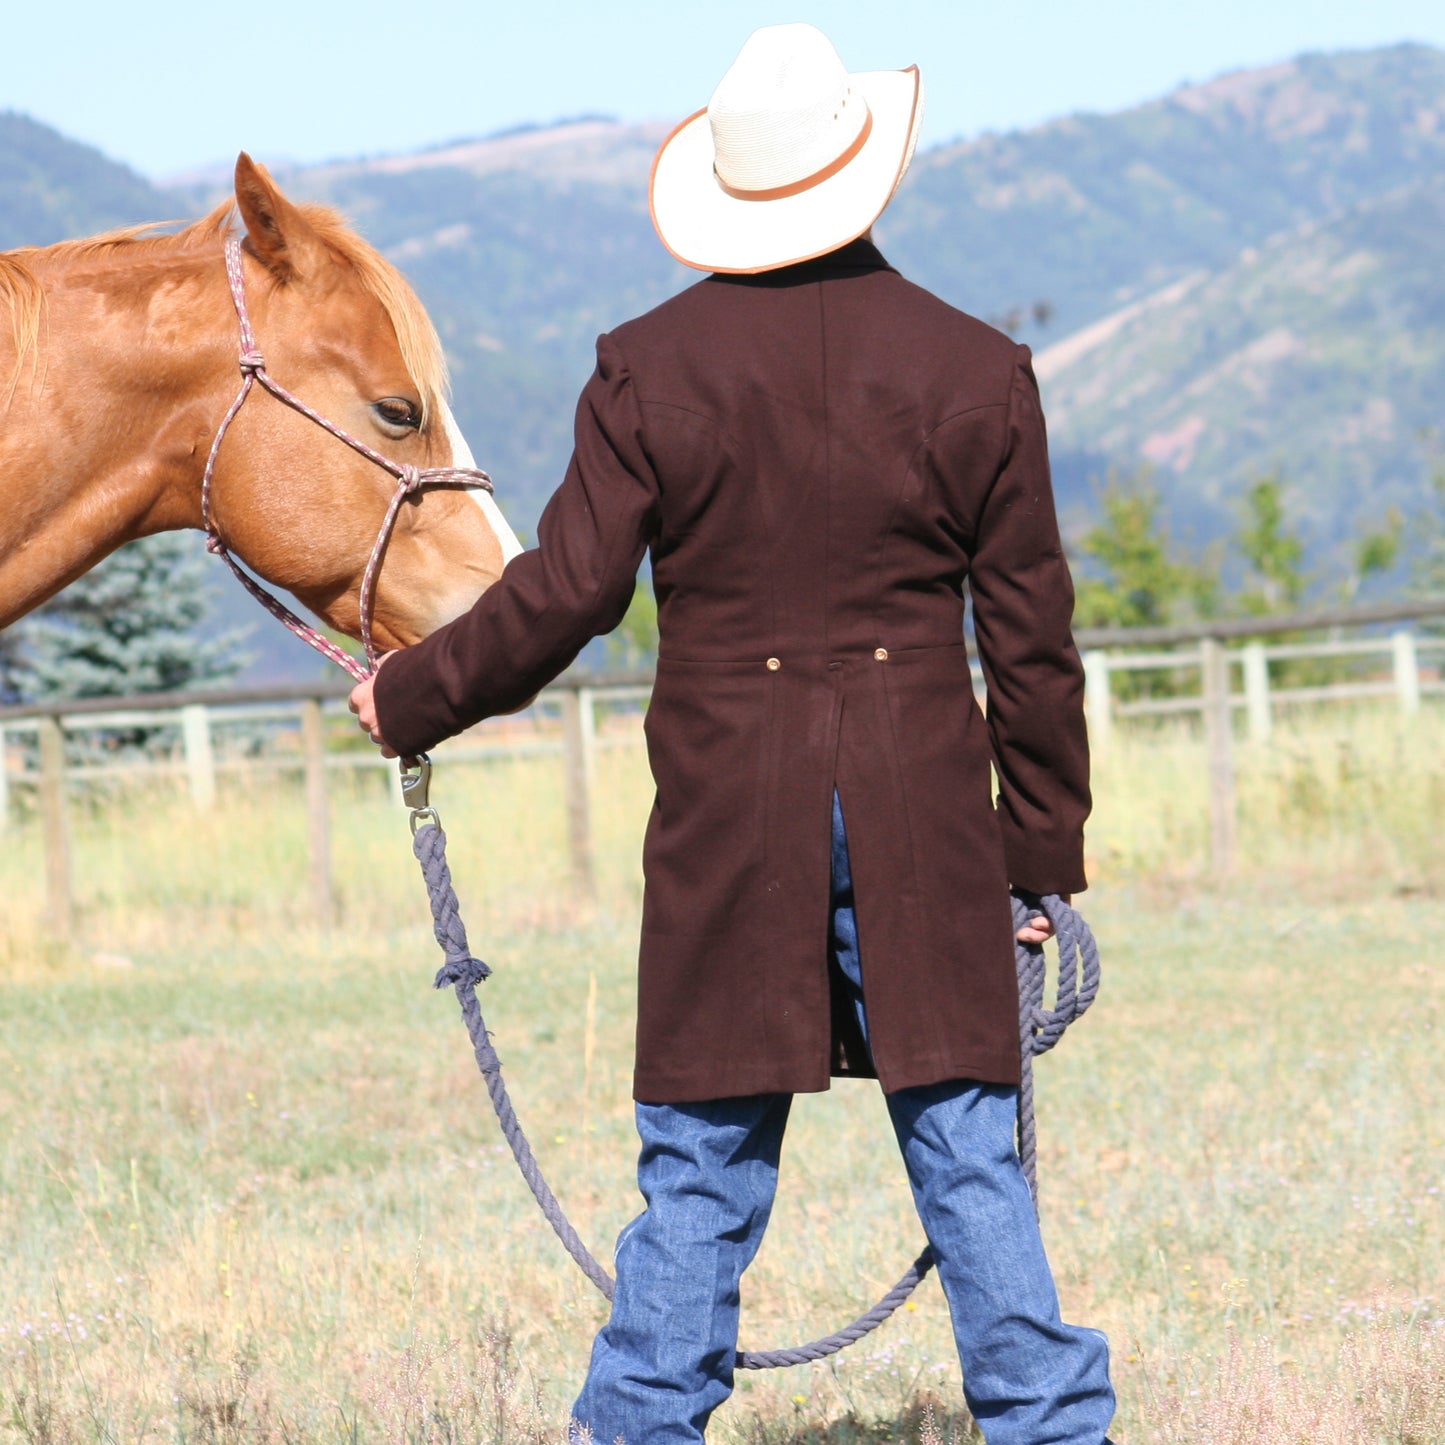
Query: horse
{"type": "Point", "coordinates": [122, 358]}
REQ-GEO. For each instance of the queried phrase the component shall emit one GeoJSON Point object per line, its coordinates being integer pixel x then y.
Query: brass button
{"type": "Point", "coordinates": [880, 654]}
{"type": "Point", "coordinates": [773, 664]}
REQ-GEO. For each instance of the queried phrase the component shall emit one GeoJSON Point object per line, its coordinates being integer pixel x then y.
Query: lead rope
{"type": "Point", "coordinates": [1039, 1030]}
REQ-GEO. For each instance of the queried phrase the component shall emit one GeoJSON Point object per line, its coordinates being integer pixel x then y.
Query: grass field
{"type": "Point", "coordinates": [251, 1190]}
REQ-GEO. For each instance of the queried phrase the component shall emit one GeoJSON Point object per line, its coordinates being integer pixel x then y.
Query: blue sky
{"type": "Point", "coordinates": [176, 84]}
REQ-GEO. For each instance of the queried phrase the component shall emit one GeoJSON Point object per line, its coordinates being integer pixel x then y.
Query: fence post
{"type": "Point", "coordinates": [578, 742]}
{"type": "Point", "coordinates": [200, 758]}
{"type": "Point", "coordinates": [1407, 670]}
{"type": "Point", "coordinates": [1256, 690]}
{"type": "Point", "coordinates": [1219, 742]}
{"type": "Point", "coordinates": [318, 820]}
{"type": "Point", "coordinates": [1098, 707]}
{"type": "Point", "coordinates": [59, 909]}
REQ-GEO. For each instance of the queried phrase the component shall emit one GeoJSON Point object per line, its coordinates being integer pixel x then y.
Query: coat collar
{"type": "Point", "coordinates": [856, 256]}
{"type": "Point", "coordinates": [859, 255]}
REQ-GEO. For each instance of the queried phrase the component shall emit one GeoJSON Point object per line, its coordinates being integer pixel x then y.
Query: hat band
{"type": "Point", "coordinates": [796, 188]}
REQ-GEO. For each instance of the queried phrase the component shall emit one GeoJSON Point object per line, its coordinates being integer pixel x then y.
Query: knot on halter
{"type": "Point", "coordinates": [214, 545]}
{"type": "Point", "coordinates": [410, 478]}
{"type": "Point", "coordinates": [252, 361]}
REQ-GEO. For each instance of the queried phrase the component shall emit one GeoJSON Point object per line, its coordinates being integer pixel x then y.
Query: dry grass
{"type": "Point", "coordinates": [251, 1191]}
{"type": "Point", "coordinates": [1390, 1387]}
{"type": "Point", "coordinates": [1342, 801]}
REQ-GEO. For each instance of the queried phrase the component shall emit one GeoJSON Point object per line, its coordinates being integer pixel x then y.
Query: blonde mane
{"type": "Point", "coordinates": [22, 293]}
{"type": "Point", "coordinates": [421, 348]}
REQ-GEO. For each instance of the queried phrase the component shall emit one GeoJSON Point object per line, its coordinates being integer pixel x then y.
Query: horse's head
{"type": "Point", "coordinates": [341, 330]}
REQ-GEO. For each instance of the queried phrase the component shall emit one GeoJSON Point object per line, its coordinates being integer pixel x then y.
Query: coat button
{"type": "Point", "coordinates": [880, 654]}
{"type": "Point", "coordinates": [773, 664]}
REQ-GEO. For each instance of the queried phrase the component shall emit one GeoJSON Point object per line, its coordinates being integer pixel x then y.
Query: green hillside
{"type": "Point", "coordinates": [520, 271]}
{"type": "Point", "coordinates": [1242, 275]}
{"type": "Point", "coordinates": [52, 188]}
{"type": "Point", "coordinates": [1095, 210]}
{"type": "Point", "coordinates": [526, 246]}
{"type": "Point", "coordinates": [1320, 353]}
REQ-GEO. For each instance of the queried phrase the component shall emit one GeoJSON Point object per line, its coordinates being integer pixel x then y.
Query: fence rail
{"type": "Point", "coordinates": [1400, 657]}
{"type": "Point", "coordinates": [298, 712]}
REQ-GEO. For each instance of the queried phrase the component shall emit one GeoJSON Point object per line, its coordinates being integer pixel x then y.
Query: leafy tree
{"type": "Point", "coordinates": [633, 643]}
{"type": "Point", "coordinates": [1012, 321]}
{"type": "Point", "coordinates": [1272, 550]}
{"type": "Point", "coordinates": [1427, 530]}
{"type": "Point", "coordinates": [129, 626]}
{"type": "Point", "coordinates": [1428, 572]}
{"type": "Point", "coordinates": [1132, 573]}
{"type": "Point", "coordinates": [1375, 553]}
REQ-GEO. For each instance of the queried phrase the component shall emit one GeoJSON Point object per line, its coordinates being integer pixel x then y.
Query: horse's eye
{"type": "Point", "coordinates": [397, 415]}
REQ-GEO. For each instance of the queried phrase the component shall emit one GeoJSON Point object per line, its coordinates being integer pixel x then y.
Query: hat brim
{"type": "Point", "coordinates": [707, 228]}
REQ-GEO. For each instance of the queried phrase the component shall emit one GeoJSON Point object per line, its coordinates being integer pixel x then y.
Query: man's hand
{"type": "Point", "coordinates": [1039, 928]}
{"type": "Point", "coordinates": [364, 707]}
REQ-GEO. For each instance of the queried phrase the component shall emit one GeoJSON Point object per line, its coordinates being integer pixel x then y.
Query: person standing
{"type": "Point", "coordinates": [822, 460]}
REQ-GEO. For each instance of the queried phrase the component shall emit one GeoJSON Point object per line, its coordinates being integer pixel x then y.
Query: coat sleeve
{"type": "Point", "coordinates": [550, 601]}
{"type": "Point", "coordinates": [1023, 601]}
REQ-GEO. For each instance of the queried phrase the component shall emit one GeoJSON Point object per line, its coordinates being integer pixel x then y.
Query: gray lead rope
{"type": "Point", "coordinates": [1040, 1029]}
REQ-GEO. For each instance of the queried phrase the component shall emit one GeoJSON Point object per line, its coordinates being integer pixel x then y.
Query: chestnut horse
{"type": "Point", "coordinates": [121, 359]}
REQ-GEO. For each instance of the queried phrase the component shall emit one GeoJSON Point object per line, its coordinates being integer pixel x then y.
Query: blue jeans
{"type": "Point", "coordinates": [708, 1172]}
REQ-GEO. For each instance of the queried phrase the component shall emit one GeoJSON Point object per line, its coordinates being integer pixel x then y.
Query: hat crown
{"type": "Point", "coordinates": [784, 111]}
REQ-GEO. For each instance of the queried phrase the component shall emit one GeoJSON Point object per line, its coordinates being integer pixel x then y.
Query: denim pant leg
{"type": "Point", "coordinates": [1029, 1379]}
{"type": "Point", "coordinates": [664, 1361]}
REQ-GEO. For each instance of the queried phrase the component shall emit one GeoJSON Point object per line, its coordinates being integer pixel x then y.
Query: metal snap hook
{"type": "Point", "coordinates": [416, 789]}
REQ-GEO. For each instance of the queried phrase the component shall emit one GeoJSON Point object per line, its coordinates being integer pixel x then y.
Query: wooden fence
{"type": "Point", "coordinates": [297, 712]}
{"type": "Point", "coordinates": [1397, 665]}
{"type": "Point", "coordinates": [1204, 646]}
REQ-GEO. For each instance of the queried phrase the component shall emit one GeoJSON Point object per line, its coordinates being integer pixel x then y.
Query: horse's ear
{"type": "Point", "coordinates": [277, 234]}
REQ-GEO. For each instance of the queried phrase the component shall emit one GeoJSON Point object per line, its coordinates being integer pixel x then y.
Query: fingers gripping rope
{"type": "Point", "coordinates": [1040, 1029]}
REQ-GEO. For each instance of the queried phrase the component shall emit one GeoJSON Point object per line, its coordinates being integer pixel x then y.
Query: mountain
{"type": "Point", "coordinates": [1212, 211]}
{"type": "Point", "coordinates": [1321, 353]}
{"type": "Point", "coordinates": [52, 188]}
{"type": "Point", "coordinates": [1094, 211]}
{"type": "Point", "coordinates": [1240, 276]}
{"type": "Point", "coordinates": [524, 247]}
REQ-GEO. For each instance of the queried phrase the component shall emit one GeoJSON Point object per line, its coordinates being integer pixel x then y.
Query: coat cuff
{"type": "Point", "coordinates": [397, 694]}
{"type": "Point", "coordinates": [1043, 865]}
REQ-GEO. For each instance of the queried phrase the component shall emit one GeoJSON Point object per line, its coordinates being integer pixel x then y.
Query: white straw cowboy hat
{"type": "Point", "coordinates": [792, 158]}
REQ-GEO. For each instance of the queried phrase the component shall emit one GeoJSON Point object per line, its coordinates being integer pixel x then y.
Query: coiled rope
{"type": "Point", "coordinates": [1040, 1029]}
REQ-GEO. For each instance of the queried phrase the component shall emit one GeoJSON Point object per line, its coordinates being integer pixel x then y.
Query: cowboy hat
{"type": "Point", "coordinates": [792, 158]}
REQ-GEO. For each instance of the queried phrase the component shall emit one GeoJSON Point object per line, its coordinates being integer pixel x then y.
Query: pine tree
{"type": "Point", "coordinates": [10, 641]}
{"type": "Point", "coordinates": [129, 626]}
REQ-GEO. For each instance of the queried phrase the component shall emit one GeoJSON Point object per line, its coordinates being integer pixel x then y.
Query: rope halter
{"type": "Point", "coordinates": [409, 480]}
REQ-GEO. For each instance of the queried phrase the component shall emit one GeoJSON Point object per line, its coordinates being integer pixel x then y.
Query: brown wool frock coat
{"type": "Point", "coordinates": [819, 458]}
